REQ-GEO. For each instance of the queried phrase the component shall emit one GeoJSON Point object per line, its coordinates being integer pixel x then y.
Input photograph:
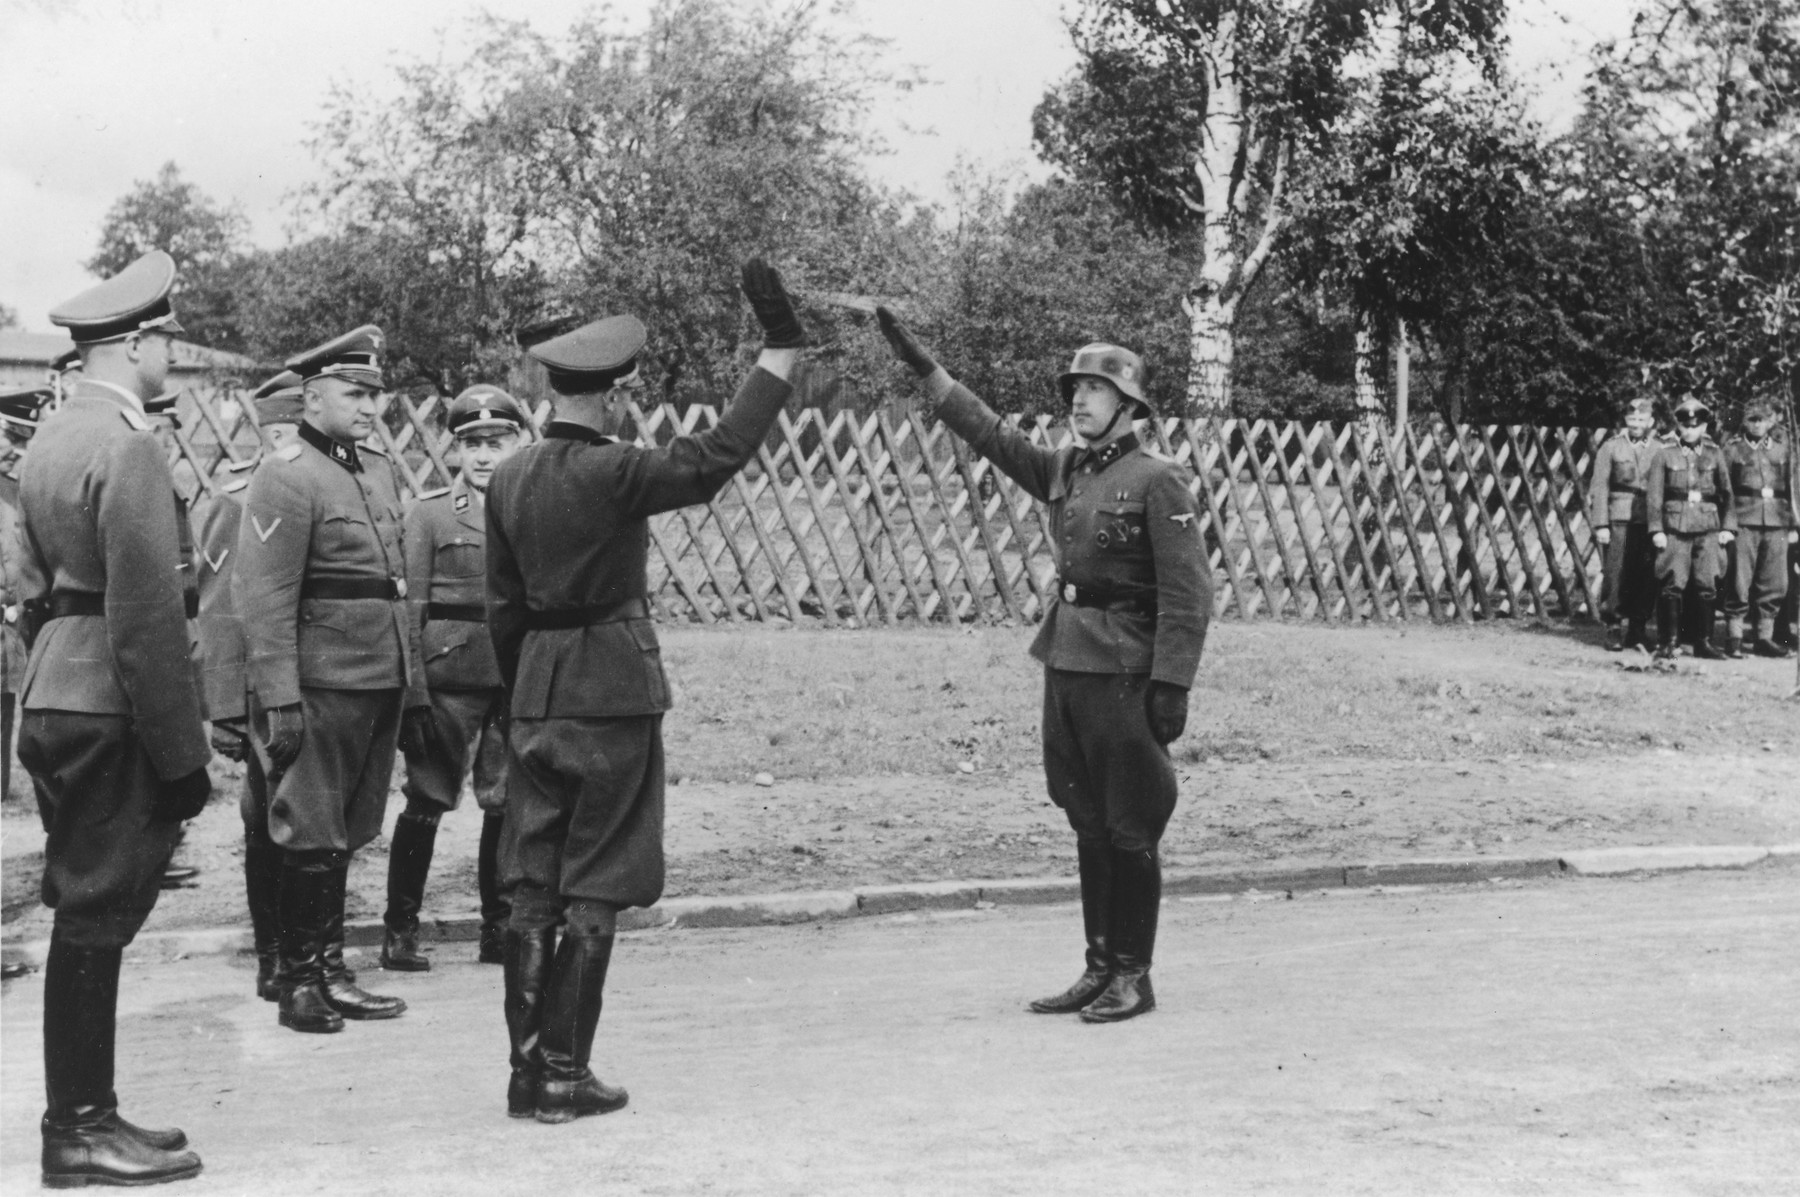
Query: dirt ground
{"type": "Point", "coordinates": [1306, 744]}
{"type": "Point", "coordinates": [1557, 1037]}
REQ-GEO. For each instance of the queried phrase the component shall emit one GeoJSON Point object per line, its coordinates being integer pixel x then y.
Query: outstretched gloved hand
{"type": "Point", "coordinates": [906, 346]}
{"type": "Point", "coordinates": [419, 736]}
{"type": "Point", "coordinates": [773, 306]}
{"type": "Point", "coordinates": [1167, 706]}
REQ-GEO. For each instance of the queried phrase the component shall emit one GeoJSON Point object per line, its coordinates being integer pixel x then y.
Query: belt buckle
{"type": "Point", "coordinates": [1068, 592]}
{"type": "Point", "coordinates": [399, 587]}
{"type": "Point", "coordinates": [1768, 492]}
{"type": "Point", "coordinates": [1693, 496]}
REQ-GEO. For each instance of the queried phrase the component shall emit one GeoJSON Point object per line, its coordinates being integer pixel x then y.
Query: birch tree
{"type": "Point", "coordinates": [1212, 111]}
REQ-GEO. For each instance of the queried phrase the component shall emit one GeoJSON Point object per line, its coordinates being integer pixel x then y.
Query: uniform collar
{"type": "Point", "coordinates": [568, 430]}
{"type": "Point", "coordinates": [338, 451]}
{"type": "Point", "coordinates": [131, 400]}
{"type": "Point", "coordinates": [465, 500]}
{"type": "Point", "coordinates": [1110, 452]}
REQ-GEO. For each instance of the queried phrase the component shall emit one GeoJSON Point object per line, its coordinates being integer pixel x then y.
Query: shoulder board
{"type": "Point", "coordinates": [231, 488]}
{"type": "Point", "coordinates": [368, 448]}
{"type": "Point", "coordinates": [439, 493]}
{"type": "Point", "coordinates": [134, 419]}
{"type": "Point", "coordinates": [289, 451]}
{"type": "Point", "coordinates": [238, 467]}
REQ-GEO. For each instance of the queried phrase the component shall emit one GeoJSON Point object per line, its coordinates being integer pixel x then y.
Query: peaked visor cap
{"type": "Point", "coordinates": [134, 300]}
{"type": "Point", "coordinates": [1117, 365]}
{"type": "Point", "coordinates": [69, 359]}
{"type": "Point", "coordinates": [19, 406]}
{"type": "Point", "coordinates": [593, 357]}
{"type": "Point", "coordinates": [484, 406]}
{"type": "Point", "coordinates": [353, 357]}
{"type": "Point", "coordinates": [1692, 406]}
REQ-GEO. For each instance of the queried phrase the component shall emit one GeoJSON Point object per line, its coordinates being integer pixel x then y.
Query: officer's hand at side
{"type": "Point", "coordinates": [182, 798]}
{"type": "Point", "coordinates": [1726, 536]}
{"type": "Point", "coordinates": [1167, 705]}
{"type": "Point", "coordinates": [1794, 537]}
{"type": "Point", "coordinates": [228, 739]}
{"type": "Point", "coordinates": [419, 732]}
{"type": "Point", "coordinates": [1602, 535]}
{"type": "Point", "coordinates": [1660, 540]}
{"type": "Point", "coordinates": [906, 346]}
{"type": "Point", "coordinates": [773, 306]}
{"type": "Point", "coordinates": [287, 727]}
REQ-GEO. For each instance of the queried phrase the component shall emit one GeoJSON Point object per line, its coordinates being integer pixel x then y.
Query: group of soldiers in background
{"type": "Point", "coordinates": [1681, 520]}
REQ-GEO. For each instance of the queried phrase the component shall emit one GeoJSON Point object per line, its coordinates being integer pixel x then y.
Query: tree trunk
{"type": "Point", "coordinates": [1402, 375]}
{"type": "Point", "coordinates": [1211, 345]}
{"type": "Point", "coordinates": [1369, 405]}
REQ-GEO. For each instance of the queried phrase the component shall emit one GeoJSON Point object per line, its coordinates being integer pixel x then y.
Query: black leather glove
{"type": "Point", "coordinates": [773, 306]}
{"type": "Point", "coordinates": [906, 346]}
{"type": "Point", "coordinates": [419, 732]}
{"type": "Point", "coordinates": [287, 727]}
{"type": "Point", "coordinates": [229, 739]}
{"type": "Point", "coordinates": [1167, 706]}
{"type": "Point", "coordinates": [182, 798]}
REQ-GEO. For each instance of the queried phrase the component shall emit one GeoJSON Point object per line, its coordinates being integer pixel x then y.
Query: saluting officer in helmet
{"type": "Point", "coordinates": [1120, 646]}
{"type": "Point", "coordinates": [446, 562]}
{"type": "Point", "coordinates": [1688, 505]}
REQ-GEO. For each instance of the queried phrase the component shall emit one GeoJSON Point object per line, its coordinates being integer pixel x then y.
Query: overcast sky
{"type": "Point", "coordinates": [100, 93]}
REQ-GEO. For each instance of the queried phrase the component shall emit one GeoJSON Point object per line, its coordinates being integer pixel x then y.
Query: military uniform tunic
{"type": "Point", "coordinates": [446, 567]}
{"type": "Point", "coordinates": [1760, 502]}
{"type": "Point", "coordinates": [1134, 597]}
{"type": "Point", "coordinates": [111, 702]}
{"type": "Point", "coordinates": [1616, 500]}
{"type": "Point", "coordinates": [320, 588]}
{"type": "Point", "coordinates": [566, 552]}
{"type": "Point", "coordinates": [1688, 497]}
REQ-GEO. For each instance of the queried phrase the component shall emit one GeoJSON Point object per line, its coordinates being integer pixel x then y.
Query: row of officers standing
{"type": "Point", "coordinates": [500, 626]}
{"type": "Point", "coordinates": [1681, 518]}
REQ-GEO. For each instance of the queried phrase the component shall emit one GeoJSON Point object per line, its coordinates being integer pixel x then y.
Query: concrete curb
{"type": "Point", "coordinates": [763, 910]}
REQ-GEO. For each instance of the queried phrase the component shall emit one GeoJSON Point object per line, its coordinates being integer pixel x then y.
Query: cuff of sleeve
{"type": "Point", "coordinates": [938, 385]}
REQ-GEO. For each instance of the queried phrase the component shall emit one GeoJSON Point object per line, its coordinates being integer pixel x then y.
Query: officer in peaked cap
{"type": "Point", "coordinates": [218, 520]}
{"type": "Point", "coordinates": [112, 730]}
{"type": "Point", "coordinates": [1688, 506]}
{"type": "Point", "coordinates": [19, 408]}
{"type": "Point", "coordinates": [1617, 514]}
{"type": "Point", "coordinates": [1761, 467]}
{"type": "Point", "coordinates": [446, 560]}
{"type": "Point", "coordinates": [320, 588]}
{"type": "Point", "coordinates": [1120, 646]}
{"type": "Point", "coordinates": [568, 612]}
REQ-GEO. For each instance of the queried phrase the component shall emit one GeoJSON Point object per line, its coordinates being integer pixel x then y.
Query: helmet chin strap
{"type": "Point", "coordinates": [1110, 424]}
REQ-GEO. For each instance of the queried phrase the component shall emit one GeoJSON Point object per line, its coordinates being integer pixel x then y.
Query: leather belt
{"type": "Point", "coordinates": [564, 618]}
{"type": "Point", "coordinates": [1105, 600]}
{"type": "Point", "coordinates": [460, 612]}
{"type": "Point", "coordinates": [1758, 492]}
{"type": "Point", "coordinates": [354, 588]}
{"type": "Point", "coordinates": [66, 603]}
{"type": "Point", "coordinates": [1627, 490]}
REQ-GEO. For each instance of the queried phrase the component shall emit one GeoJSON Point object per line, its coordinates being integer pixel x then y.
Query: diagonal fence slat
{"type": "Point", "coordinates": [850, 517]}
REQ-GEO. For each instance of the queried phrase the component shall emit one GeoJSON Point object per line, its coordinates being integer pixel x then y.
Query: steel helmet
{"type": "Point", "coordinates": [1117, 365]}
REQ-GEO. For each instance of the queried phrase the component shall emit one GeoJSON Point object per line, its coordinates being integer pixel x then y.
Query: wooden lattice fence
{"type": "Point", "coordinates": [849, 518]}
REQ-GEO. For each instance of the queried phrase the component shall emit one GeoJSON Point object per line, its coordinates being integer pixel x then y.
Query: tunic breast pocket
{"type": "Point", "coordinates": [345, 533]}
{"type": "Point", "coordinates": [461, 558]}
{"type": "Point", "coordinates": [1121, 527]}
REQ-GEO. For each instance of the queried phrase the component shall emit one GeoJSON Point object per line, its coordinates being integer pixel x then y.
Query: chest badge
{"type": "Point", "coordinates": [1184, 519]}
{"type": "Point", "coordinates": [263, 534]}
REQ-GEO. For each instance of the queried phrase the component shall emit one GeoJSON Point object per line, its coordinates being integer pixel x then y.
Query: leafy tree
{"type": "Point", "coordinates": [1212, 108]}
{"type": "Point", "coordinates": [207, 241]}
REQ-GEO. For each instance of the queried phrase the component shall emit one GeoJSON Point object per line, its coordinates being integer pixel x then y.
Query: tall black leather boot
{"type": "Point", "coordinates": [527, 959]}
{"type": "Point", "coordinates": [1094, 860]}
{"type": "Point", "coordinates": [1704, 649]}
{"type": "Point", "coordinates": [342, 992]}
{"type": "Point", "coordinates": [1668, 625]}
{"type": "Point", "coordinates": [409, 862]}
{"type": "Point", "coordinates": [567, 1088]}
{"type": "Point", "coordinates": [495, 909]}
{"type": "Point", "coordinates": [262, 891]}
{"type": "Point", "coordinates": [85, 1141]}
{"type": "Point", "coordinates": [1136, 905]}
{"type": "Point", "coordinates": [305, 921]}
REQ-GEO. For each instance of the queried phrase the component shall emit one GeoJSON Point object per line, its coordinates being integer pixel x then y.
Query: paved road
{"type": "Point", "coordinates": [1573, 1037]}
